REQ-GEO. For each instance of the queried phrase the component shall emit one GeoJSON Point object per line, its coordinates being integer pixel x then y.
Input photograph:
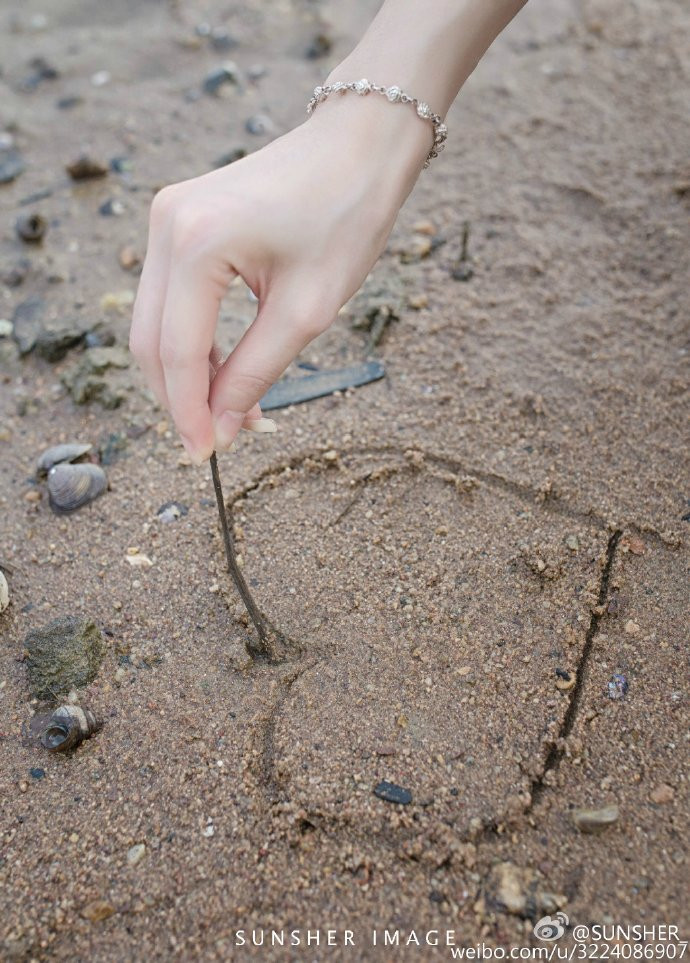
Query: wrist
{"type": "Point", "coordinates": [390, 132]}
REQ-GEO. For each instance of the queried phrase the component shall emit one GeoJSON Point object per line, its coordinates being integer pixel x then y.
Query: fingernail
{"type": "Point", "coordinates": [195, 455]}
{"type": "Point", "coordinates": [226, 427]}
{"type": "Point", "coordinates": [261, 425]}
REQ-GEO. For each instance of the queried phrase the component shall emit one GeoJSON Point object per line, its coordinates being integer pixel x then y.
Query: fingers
{"type": "Point", "coordinates": [287, 321]}
{"type": "Point", "coordinates": [195, 289]}
{"type": "Point", "coordinates": [144, 338]}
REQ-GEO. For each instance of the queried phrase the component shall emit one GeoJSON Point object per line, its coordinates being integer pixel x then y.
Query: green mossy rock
{"type": "Point", "coordinates": [62, 655]}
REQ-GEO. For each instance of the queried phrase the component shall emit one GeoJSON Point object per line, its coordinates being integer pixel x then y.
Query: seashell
{"type": "Point", "coordinates": [31, 228]}
{"type": "Point", "coordinates": [71, 486]}
{"type": "Point", "coordinates": [59, 453]}
{"type": "Point", "coordinates": [4, 593]}
{"type": "Point", "coordinates": [67, 727]}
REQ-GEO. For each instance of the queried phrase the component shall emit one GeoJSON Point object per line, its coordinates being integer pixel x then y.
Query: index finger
{"type": "Point", "coordinates": [189, 322]}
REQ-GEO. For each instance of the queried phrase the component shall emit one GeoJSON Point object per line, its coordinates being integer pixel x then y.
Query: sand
{"type": "Point", "coordinates": [465, 553]}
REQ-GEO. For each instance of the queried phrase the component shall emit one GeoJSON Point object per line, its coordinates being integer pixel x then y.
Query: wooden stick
{"type": "Point", "coordinates": [266, 646]}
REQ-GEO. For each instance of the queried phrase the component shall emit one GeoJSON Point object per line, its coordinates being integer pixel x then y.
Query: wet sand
{"type": "Point", "coordinates": [465, 552]}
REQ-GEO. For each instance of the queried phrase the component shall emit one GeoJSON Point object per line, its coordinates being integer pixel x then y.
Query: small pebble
{"type": "Point", "coordinates": [662, 794]}
{"type": "Point", "coordinates": [389, 792]}
{"type": "Point", "coordinates": [259, 124]}
{"type": "Point", "coordinates": [416, 249]}
{"type": "Point", "coordinates": [634, 545]}
{"type": "Point", "coordinates": [228, 75]}
{"type": "Point", "coordinates": [6, 328]}
{"type": "Point", "coordinates": [129, 259]}
{"type": "Point", "coordinates": [37, 773]}
{"type": "Point", "coordinates": [617, 686]}
{"type": "Point", "coordinates": [97, 910]}
{"type": "Point", "coordinates": [86, 168]}
{"type": "Point", "coordinates": [572, 542]}
{"type": "Point", "coordinates": [112, 208]}
{"type": "Point", "coordinates": [100, 78]}
{"type": "Point", "coordinates": [139, 560]}
{"type": "Point", "coordinates": [11, 165]}
{"type": "Point", "coordinates": [320, 45]}
{"type": "Point", "coordinates": [136, 853]}
{"type": "Point", "coordinates": [171, 511]}
{"type": "Point", "coordinates": [594, 821]}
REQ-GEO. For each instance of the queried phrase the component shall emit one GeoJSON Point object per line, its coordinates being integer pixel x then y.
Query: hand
{"type": "Point", "coordinates": [302, 221]}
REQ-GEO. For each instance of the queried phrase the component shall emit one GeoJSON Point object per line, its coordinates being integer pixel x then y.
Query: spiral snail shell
{"type": "Point", "coordinates": [67, 727]}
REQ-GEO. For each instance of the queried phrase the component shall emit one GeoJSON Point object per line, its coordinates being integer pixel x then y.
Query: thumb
{"type": "Point", "coordinates": [288, 319]}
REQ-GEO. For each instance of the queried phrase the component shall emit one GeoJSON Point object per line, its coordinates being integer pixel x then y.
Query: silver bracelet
{"type": "Point", "coordinates": [396, 96]}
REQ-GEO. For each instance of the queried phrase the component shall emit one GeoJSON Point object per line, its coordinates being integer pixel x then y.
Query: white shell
{"type": "Point", "coordinates": [4, 593]}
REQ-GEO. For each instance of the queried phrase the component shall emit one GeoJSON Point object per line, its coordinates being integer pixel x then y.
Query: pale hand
{"type": "Point", "coordinates": [302, 221]}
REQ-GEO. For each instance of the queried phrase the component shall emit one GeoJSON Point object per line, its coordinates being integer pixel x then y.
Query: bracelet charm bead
{"type": "Point", "coordinates": [395, 96]}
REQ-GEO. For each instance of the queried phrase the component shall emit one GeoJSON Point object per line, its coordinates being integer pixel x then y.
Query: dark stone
{"type": "Point", "coordinates": [62, 655]}
{"type": "Point", "coordinates": [218, 78]}
{"type": "Point", "coordinates": [112, 208]}
{"type": "Point", "coordinates": [321, 45]}
{"type": "Point", "coordinates": [37, 773]}
{"type": "Point", "coordinates": [54, 344]}
{"type": "Point", "coordinates": [69, 102]}
{"type": "Point", "coordinates": [392, 793]}
{"type": "Point", "coordinates": [48, 339]}
{"type": "Point", "coordinates": [11, 165]}
{"type": "Point", "coordinates": [86, 168]}
{"type": "Point", "coordinates": [27, 319]}
{"type": "Point", "coordinates": [41, 70]}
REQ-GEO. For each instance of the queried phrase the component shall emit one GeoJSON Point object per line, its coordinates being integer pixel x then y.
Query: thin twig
{"type": "Point", "coordinates": [257, 618]}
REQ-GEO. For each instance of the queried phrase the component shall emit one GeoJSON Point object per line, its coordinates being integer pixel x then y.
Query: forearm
{"type": "Point", "coordinates": [427, 47]}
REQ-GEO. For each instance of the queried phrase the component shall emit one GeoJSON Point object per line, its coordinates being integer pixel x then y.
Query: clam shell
{"type": "Point", "coordinates": [59, 453]}
{"type": "Point", "coordinates": [71, 486]}
{"type": "Point", "coordinates": [4, 593]}
{"type": "Point", "coordinates": [67, 727]}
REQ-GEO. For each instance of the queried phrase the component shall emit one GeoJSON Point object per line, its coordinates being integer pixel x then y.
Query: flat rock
{"type": "Point", "coordinates": [49, 338]}
{"type": "Point", "coordinates": [93, 378]}
{"type": "Point", "coordinates": [392, 793]}
{"type": "Point", "coordinates": [65, 654]}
